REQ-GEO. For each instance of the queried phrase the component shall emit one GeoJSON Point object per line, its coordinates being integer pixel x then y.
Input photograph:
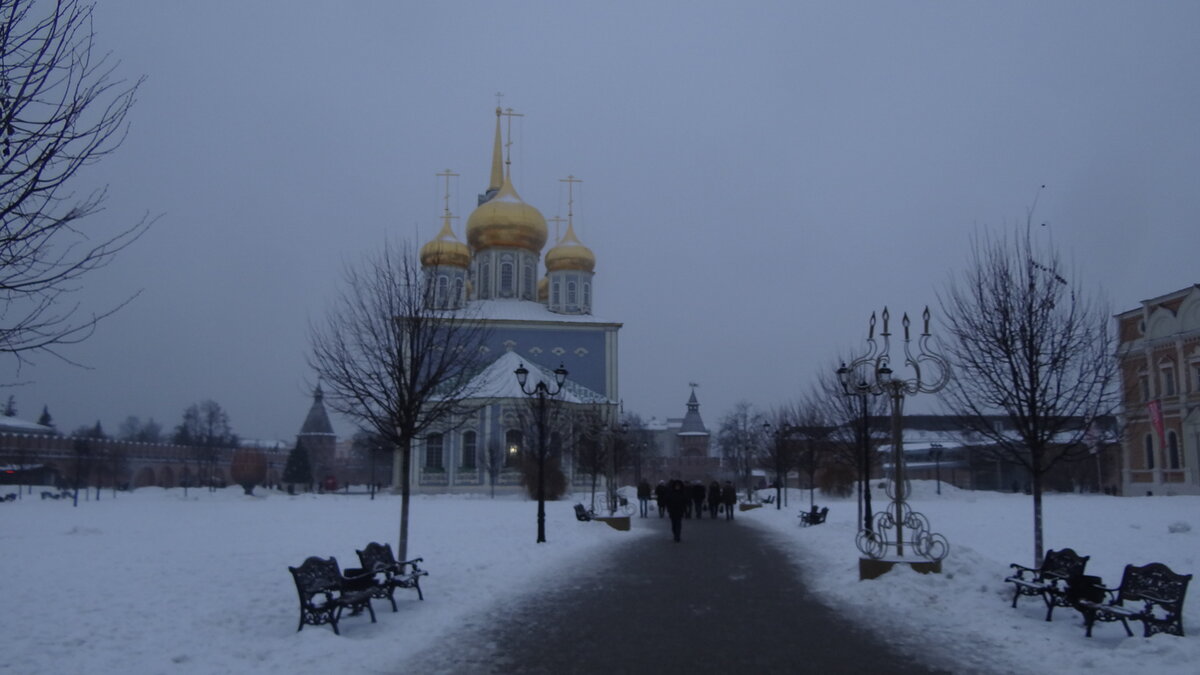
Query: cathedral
{"type": "Point", "coordinates": [538, 310]}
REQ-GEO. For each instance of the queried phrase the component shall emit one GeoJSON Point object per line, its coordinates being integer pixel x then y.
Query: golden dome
{"type": "Point", "coordinates": [505, 220]}
{"type": "Point", "coordinates": [445, 249]}
{"type": "Point", "coordinates": [570, 254]}
{"type": "Point", "coordinates": [543, 289]}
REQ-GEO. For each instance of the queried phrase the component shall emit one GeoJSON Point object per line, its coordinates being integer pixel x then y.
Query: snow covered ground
{"type": "Point", "coordinates": [151, 582]}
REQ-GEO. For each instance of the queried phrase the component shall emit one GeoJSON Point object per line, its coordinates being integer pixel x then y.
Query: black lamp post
{"type": "Point", "coordinates": [860, 390]}
{"type": "Point", "coordinates": [935, 450]}
{"type": "Point", "coordinates": [931, 372]}
{"type": "Point", "coordinates": [541, 391]}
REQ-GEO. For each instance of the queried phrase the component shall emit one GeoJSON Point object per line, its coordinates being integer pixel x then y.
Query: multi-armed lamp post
{"type": "Point", "coordinates": [541, 391]}
{"type": "Point", "coordinates": [871, 374]}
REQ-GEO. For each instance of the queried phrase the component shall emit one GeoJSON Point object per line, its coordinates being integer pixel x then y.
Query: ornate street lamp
{"type": "Point", "coordinates": [541, 391]}
{"type": "Point", "coordinates": [931, 372]}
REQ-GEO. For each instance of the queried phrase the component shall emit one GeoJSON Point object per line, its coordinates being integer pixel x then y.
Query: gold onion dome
{"type": "Point", "coordinates": [445, 249]}
{"type": "Point", "coordinates": [570, 254]}
{"type": "Point", "coordinates": [505, 220]}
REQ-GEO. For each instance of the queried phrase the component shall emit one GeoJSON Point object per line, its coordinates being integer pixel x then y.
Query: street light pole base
{"type": "Point", "coordinates": [870, 568]}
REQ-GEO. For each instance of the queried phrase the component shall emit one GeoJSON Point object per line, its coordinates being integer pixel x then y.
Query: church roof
{"type": "Point", "coordinates": [317, 421]}
{"type": "Point", "coordinates": [692, 424]}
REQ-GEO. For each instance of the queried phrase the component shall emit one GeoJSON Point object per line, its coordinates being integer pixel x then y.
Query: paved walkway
{"type": "Point", "coordinates": [722, 600]}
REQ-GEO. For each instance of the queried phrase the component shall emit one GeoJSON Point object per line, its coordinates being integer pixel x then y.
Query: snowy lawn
{"type": "Point", "coordinates": [963, 619]}
{"type": "Point", "coordinates": [151, 582]}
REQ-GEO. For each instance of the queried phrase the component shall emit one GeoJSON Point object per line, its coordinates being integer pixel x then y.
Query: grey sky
{"type": "Point", "coordinates": [758, 177]}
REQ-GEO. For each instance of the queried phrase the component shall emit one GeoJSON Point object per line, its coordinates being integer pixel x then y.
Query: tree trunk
{"type": "Point", "coordinates": [1036, 470]}
{"type": "Point", "coordinates": [405, 488]}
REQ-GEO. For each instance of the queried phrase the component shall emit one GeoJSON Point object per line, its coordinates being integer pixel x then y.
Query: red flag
{"type": "Point", "coordinates": [1156, 418]}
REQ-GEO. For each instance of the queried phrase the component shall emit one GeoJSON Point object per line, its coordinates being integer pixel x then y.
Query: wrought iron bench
{"type": "Point", "coordinates": [1049, 580]}
{"type": "Point", "coordinates": [582, 514]}
{"type": "Point", "coordinates": [813, 517]}
{"type": "Point", "coordinates": [388, 574]}
{"type": "Point", "coordinates": [1152, 594]}
{"type": "Point", "coordinates": [324, 592]}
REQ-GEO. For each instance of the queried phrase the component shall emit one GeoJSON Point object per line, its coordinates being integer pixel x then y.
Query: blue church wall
{"type": "Point", "coordinates": [582, 351]}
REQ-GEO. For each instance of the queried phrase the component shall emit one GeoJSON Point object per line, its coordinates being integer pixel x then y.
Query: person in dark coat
{"type": "Point", "coordinates": [677, 503]}
{"type": "Point", "coordinates": [644, 497]}
{"type": "Point", "coordinates": [660, 496]}
{"type": "Point", "coordinates": [728, 498]}
{"type": "Point", "coordinates": [697, 490]}
{"type": "Point", "coordinates": [714, 499]}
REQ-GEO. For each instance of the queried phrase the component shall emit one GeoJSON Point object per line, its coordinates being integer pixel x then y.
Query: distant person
{"type": "Point", "coordinates": [697, 491]}
{"type": "Point", "coordinates": [714, 499]}
{"type": "Point", "coordinates": [729, 499]}
{"type": "Point", "coordinates": [660, 496]}
{"type": "Point", "coordinates": [644, 497]}
{"type": "Point", "coordinates": [677, 504]}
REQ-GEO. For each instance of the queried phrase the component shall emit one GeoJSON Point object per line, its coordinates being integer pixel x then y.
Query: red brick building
{"type": "Point", "coordinates": [1159, 354]}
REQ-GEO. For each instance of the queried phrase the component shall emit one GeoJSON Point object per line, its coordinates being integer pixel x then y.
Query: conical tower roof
{"type": "Point", "coordinates": [692, 424]}
{"type": "Point", "coordinates": [317, 421]}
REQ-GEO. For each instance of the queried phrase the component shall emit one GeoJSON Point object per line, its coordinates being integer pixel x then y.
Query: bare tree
{"type": "Point", "coordinates": [493, 462]}
{"type": "Point", "coordinates": [60, 109]}
{"type": "Point", "coordinates": [1034, 358]}
{"type": "Point", "coordinates": [392, 362]}
{"type": "Point", "coordinates": [779, 455]}
{"type": "Point", "coordinates": [205, 428]}
{"type": "Point", "coordinates": [741, 438]}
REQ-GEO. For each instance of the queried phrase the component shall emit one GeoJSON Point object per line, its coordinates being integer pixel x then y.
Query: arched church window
{"type": "Point", "coordinates": [506, 279]}
{"type": "Point", "coordinates": [527, 282]}
{"type": "Point", "coordinates": [433, 452]}
{"type": "Point", "coordinates": [1173, 451]}
{"type": "Point", "coordinates": [458, 292]}
{"type": "Point", "coordinates": [468, 450]}
{"type": "Point", "coordinates": [485, 280]}
{"type": "Point", "coordinates": [587, 294]}
{"type": "Point", "coordinates": [1149, 447]}
{"type": "Point", "coordinates": [571, 293]}
{"type": "Point", "coordinates": [555, 293]}
{"type": "Point", "coordinates": [443, 285]}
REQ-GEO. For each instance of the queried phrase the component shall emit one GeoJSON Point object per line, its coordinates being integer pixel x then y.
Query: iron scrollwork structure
{"type": "Point", "coordinates": [871, 374]}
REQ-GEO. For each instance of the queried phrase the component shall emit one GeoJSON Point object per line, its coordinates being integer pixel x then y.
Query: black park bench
{"type": "Point", "coordinates": [388, 574]}
{"type": "Point", "coordinates": [582, 514]}
{"type": "Point", "coordinates": [324, 592]}
{"type": "Point", "coordinates": [1049, 580]}
{"type": "Point", "coordinates": [813, 517]}
{"type": "Point", "coordinates": [1152, 594]}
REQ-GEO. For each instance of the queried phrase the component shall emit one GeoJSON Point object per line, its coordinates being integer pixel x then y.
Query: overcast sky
{"type": "Point", "coordinates": [758, 176]}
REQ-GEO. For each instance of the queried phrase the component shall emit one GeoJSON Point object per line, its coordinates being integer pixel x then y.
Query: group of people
{"type": "Point", "coordinates": [678, 500]}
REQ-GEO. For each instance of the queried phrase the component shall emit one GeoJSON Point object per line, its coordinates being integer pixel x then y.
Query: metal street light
{"type": "Point", "coordinates": [931, 372]}
{"type": "Point", "coordinates": [541, 391]}
{"type": "Point", "coordinates": [935, 451]}
{"type": "Point", "coordinates": [861, 391]}
{"type": "Point", "coordinates": [778, 458]}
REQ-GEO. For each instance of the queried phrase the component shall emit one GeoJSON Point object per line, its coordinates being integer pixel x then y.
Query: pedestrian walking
{"type": "Point", "coordinates": [660, 497]}
{"type": "Point", "coordinates": [714, 499]}
{"type": "Point", "coordinates": [729, 499]}
{"type": "Point", "coordinates": [644, 497]}
{"type": "Point", "coordinates": [677, 503]}
{"type": "Point", "coordinates": [697, 490]}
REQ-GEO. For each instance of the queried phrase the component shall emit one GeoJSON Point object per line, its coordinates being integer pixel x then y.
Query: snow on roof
{"type": "Point", "coordinates": [15, 425]}
{"type": "Point", "coordinates": [499, 381]}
